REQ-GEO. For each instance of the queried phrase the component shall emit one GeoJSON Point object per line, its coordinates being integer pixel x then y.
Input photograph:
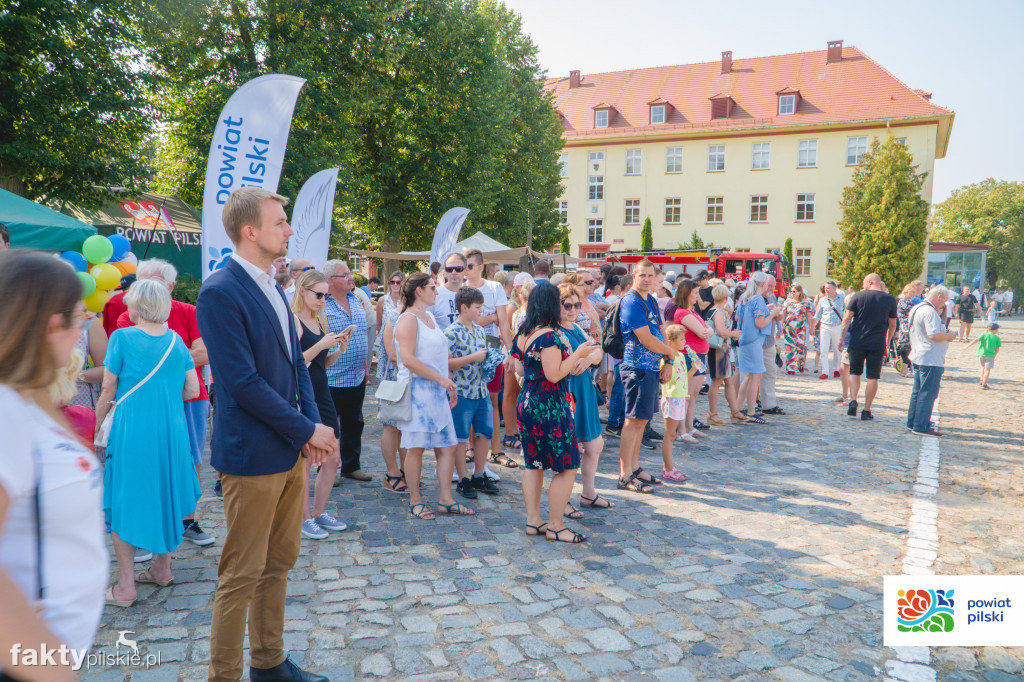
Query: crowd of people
{"type": "Point", "coordinates": [482, 366]}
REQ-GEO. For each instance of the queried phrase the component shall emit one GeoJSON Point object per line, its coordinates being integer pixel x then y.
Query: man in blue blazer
{"type": "Point", "coordinates": [266, 415]}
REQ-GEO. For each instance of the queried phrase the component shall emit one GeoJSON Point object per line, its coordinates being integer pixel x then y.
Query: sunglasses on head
{"type": "Point", "coordinates": [319, 296]}
{"type": "Point", "coordinates": [571, 306]}
{"type": "Point", "coordinates": [454, 268]}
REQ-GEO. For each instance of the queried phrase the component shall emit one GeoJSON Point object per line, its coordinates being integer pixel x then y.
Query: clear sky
{"type": "Point", "coordinates": [969, 55]}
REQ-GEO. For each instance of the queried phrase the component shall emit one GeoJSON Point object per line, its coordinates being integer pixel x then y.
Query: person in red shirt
{"type": "Point", "coordinates": [182, 321]}
{"type": "Point", "coordinates": [115, 307]}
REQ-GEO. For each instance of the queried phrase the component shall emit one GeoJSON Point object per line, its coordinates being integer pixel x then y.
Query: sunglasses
{"type": "Point", "coordinates": [571, 306]}
{"type": "Point", "coordinates": [304, 269]}
{"type": "Point", "coordinates": [395, 282]}
{"type": "Point", "coordinates": [319, 296]}
{"type": "Point", "coordinates": [455, 268]}
{"type": "Point", "coordinates": [589, 282]}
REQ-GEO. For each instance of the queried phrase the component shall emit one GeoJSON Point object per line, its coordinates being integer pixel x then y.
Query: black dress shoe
{"type": "Point", "coordinates": [286, 672]}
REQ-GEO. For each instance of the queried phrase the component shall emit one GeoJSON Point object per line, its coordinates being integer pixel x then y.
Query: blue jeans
{"type": "Point", "coordinates": [922, 398]}
{"type": "Point", "coordinates": [617, 402]}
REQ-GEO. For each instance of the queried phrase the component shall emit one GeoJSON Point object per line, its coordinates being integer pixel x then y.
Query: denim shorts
{"type": "Point", "coordinates": [475, 412]}
{"type": "Point", "coordinates": [641, 391]}
{"type": "Point", "coordinates": [197, 412]}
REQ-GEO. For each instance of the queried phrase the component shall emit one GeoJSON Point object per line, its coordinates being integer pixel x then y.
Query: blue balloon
{"type": "Point", "coordinates": [76, 259]}
{"type": "Point", "coordinates": [122, 247]}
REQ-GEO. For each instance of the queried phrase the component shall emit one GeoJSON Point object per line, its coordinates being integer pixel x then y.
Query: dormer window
{"type": "Point", "coordinates": [601, 118]}
{"type": "Point", "coordinates": [721, 105]}
{"type": "Point", "coordinates": [788, 99]}
{"type": "Point", "coordinates": [657, 114]}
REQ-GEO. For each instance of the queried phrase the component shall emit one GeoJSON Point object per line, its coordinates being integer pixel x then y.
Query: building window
{"type": "Point", "coordinates": [902, 141]}
{"type": "Point", "coordinates": [802, 266]}
{"type": "Point", "coordinates": [563, 165]}
{"type": "Point", "coordinates": [716, 207]}
{"type": "Point", "coordinates": [632, 212]}
{"type": "Point", "coordinates": [759, 208]}
{"type": "Point", "coordinates": [633, 164]}
{"type": "Point", "coordinates": [673, 211]}
{"type": "Point", "coordinates": [804, 207]}
{"type": "Point", "coordinates": [595, 231]}
{"type": "Point", "coordinates": [594, 255]}
{"type": "Point", "coordinates": [762, 156]}
{"type": "Point", "coordinates": [595, 187]}
{"type": "Point", "coordinates": [716, 158]}
{"type": "Point", "coordinates": [597, 156]}
{"type": "Point", "coordinates": [808, 154]}
{"type": "Point", "coordinates": [855, 148]}
{"type": "Point", "coordinates": [355, 262]}
{"type": "Point", "coordinates": [601, 118]}
{"type": "Point", "coordinates": [674, 160]}
{"type": "Point", "coordinates": [563, 212]}
{"type": "Point", "coordinates": [787, 104]}
{"type": "Point", "coordinates": [741, 250]}
{"type": "Point", "coordinates": [657, 114]}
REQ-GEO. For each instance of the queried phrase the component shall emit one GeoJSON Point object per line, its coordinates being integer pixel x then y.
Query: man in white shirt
{"type": "Point", "coordinates": [1008, 301]}
{"type": "Point", "coordinates": [454, 272]}
{"type": "Point", "coordinates": [929, 342]}
{"type": "Point", "coordinates": [295, 270]}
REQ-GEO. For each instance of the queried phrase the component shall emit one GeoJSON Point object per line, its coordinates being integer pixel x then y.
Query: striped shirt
{"type": "Point", "coordinates": [350, 368]}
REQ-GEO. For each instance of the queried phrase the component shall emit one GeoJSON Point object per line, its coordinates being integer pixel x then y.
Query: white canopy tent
{"type": "Point", "coordinates": [493, 251]}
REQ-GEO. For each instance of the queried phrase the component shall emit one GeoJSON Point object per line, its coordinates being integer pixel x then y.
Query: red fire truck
{"type": "Point", "coordinates": [721, 263]}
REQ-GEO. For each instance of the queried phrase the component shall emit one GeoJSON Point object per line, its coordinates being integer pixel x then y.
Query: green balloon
{"type": "Point", "coordinates": [88, 283]}
{"type": "Point", "coordinates": [97, 249]}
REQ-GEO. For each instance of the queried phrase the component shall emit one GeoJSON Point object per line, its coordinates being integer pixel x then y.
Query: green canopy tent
{"type": "Point", "coordinates": [35, 226]}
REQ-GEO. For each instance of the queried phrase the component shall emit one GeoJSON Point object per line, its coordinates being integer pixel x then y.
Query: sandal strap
{"type": "Point", "coordinates": [576, 537]}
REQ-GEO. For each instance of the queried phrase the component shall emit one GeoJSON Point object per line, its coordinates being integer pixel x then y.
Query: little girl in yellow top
{"type": "Point", "coordinates": [673, 398]}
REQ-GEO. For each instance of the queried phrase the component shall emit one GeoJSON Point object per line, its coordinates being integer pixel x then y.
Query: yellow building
{"type": "Point", "coordinates": [748, 153]}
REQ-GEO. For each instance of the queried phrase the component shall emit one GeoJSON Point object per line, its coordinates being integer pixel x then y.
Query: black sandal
{"type": "Point", "coordinates": [774, 410]}
{"type": "Point", "coordinates": [636, 486]}
{"type": "Point", "coordinates": [402, 471]}
{"type": "Point", "coordinates": [753, 418]}
{"type": "Point", "coordinates": [592, 502]}
{"type": "Point", "coordinates": [575, 514]}
{"type": "Point", "coordinates": [469, 455]}
{"type": "Point", "coordinates": [501, 459]}
{"type": "Point", "coordinates": [537, 530]}
{"type": "Point", "coordinates": [512, 441]}
{"type": "Point", "coordinates": [399, 487]}
{"type": "Point", "coordinates": [576, 537]}
{"type": "Point", "coordinates": [652, 481]}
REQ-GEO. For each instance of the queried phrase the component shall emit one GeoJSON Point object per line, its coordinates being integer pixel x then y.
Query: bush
{"type": "Point", "coordinates": [359, 279]}
{"type": "Point", "coordinates": [186, 289]}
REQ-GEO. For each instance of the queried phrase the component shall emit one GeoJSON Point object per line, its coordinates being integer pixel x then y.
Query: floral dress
{"type": "Point", "coordinates": [794, 334]}
{"type": "Point", "coordinates": [545, 411]}
{"type": "Point", "coordinates": [903, 306]}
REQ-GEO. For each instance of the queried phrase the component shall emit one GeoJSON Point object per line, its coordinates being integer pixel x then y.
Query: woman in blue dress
{"type": "Point", "coordinates": [581, 384]}
{"type": "Point", "coordinates": [754, 316]}
{"type": "Point", "coordinates": [149, 483]}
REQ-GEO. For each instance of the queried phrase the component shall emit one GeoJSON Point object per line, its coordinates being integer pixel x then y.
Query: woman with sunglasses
{"type": "Point", "coordinates": [387, 370]}
{"type": "Point", "coordinates": [799, 320]}
{"type": "Point", "coordinates": [316, 342]}
{"type": "Point", "coordinates": [388, 303]}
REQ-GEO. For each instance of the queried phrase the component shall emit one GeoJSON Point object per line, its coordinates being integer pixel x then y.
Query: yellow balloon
{"type": "Point", "coordinates": [107, 276]}
{"type": "Point", "coordinates": [94, 302]}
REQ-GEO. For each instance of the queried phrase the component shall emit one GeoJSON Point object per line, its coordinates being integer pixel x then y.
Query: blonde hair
{"type": "Point", "coordinates": [524, 290]}
{"type": "Point", "coordinates": [908, 291]}
{"type": "Point", "coordinates": [565, 290]}
{"type": "Point", "coordinates": [244, 207]}
{"type": "Point", "coordinates": [675, 332]}
{"type": "Point", "coordinates": [720, 292]}
{"type": "Point", "coordinates": [63, 389]}
{"type": "Point", "coordinates": [306, 281]}
{"type": "Point", "coordinates": [715, 282]}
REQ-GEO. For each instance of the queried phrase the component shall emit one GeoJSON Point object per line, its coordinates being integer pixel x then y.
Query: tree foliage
{"type": "Point", "coordinates": [695, 242]}
{"type": "Point", "coordinates": [74, 117]}
{"type": "Point", "coordinates": [787, 251]}
{"type": "Point", "coordinates": [884, 223]}
{"type": "Point", "coordinates": [989, 212]}
{"type": "Point", "coordinates": [646, 236]}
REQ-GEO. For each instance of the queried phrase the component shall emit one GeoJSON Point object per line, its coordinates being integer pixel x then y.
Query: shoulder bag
{"type": "Point", "coordinates": [716, 341]}
{"type": "Point", "coordinates": [393, 395]}
{"type": "Point", "coordinates": [103, 432]}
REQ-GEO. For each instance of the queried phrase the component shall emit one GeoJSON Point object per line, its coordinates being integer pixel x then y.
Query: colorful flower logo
{"type": "Point", "coordinates": [925, 611]}
{"type": "Point", "coordinates": [219, 259]}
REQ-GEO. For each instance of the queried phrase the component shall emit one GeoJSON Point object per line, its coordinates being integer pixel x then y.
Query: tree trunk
{"type": "Point", "coordinates": [390, 245]}
{"type": "Point", "coordinates": [11, 181]}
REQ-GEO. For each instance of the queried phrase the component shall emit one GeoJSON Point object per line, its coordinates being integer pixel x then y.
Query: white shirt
{"type": "Point", "coordinates": [268, 285]}
{"type": "Point", "coordinates": [925, 321]}
{"type": "Point", "coordinates": [443, 309]}
{"type": "Point", "coordinates": [75, 559]}
{"type": "Point", "coordinates": [949, 307]}
{"type": "Point", "coordinates": [494, 296]}
{"type": "Point", "coordinates": [289, 292]}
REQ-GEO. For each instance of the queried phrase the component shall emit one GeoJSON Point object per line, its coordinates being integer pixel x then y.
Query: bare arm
{"type": "Point", "coordinates": [107, 395]}
{"type": "Point", "coordinates": [405, 334]}
{"type": "Point", "coordinates": [389, 342]}
{"type": "Point", "coordinates": [191, 389]}
{"type": "Point", "coordinates": [459, 363]}
{"type": "Point", "coordinates": [342, 341]}
{"type": "Point", "coordinates": [199, 354]}
{"type": "Point", "coordinates": [701, 330]}
{"type": "Point", "coordinates": [504, 328]}
{"type": "Point", "coordinates": [97, 351]}
{"type": "Point", "coordinates": [847, 319]}
{"type": "Point", "coordinates": [891, 331]}
{"type": "Point", "coordinates": [380, 311]}
{"type": "Point", "coordinates": [721, 329]}
{"type": "Point", "coordinates": [651, 343]}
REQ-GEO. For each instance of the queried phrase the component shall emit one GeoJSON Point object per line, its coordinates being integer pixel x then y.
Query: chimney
{"type": "Point", "coordinates": [835, 51]}
{"type": "Point", "coordinates": [727, 61]}
{"type": "Point", "coordinates": [574, 79]}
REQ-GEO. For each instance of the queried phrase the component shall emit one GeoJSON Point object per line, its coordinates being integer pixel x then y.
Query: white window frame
{"type": "Point", "coordinates": [563, 213]}
{"type": "Point", "coordinates": [787, 105]}
{"type": "Point", "coordinates": [801, 262]}
{"type": "Point", "coordinates": [355, 262]}
{"type": "Point", "coordinates": [806, 201]}
{"type": "Point", "coordinates": [595, 227]}
{"type": "Point", "coordinates": [759, 208]}
{"type": "Point", "coordinates": [634, 162]}
{"type": "Point", "coordinates": [563, 165]}
{"type": "Point", "coordinates": [601, 118]}
{"type": "Point", "coordinates": [807, 154]}
{"type": "Point", "coordinates": [594, 255]}
{"type": "Point", "coordinates": [631, 212]}
{"type": "Point", "coordinates": [596, 156]}
{"type": "Point", "coordinates": [716, 205]}
{"type": "Point", "coordinates": [855, 148]}
{"type": "Point", "coordinates": [672, 155]}
{"type": "Point", "coordinates": [595, 187]}
{"type": "Point", "coordinates": [657, 114]}
{"type": "Point", "coordinates": [673, 211]}
{"type": "Point", "coordinates": [761, 156]}
{"type": "Point", "coordinates": [716, 158]}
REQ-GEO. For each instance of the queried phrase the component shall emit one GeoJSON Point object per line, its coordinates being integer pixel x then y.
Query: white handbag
{"type": "Point", "coordinates": [103, 431]}
{"type": "Point", "coordinates": [395, 400]}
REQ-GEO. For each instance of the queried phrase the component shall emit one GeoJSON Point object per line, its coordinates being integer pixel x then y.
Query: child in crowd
{"type": "Point", "coordinates": [988, 348]}
{"type": "Point", "coordinates": [467, 350]}
{"type": "Point", "coordinates": [992, 314]}
{"type": "Point", "coordinates": [674, 394]}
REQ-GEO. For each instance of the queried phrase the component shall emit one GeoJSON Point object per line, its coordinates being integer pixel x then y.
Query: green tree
{"type": "Point", "coordinates": [646, 236]}
{"type": "Point", "coordinates": [787, 251]}
{"type": "Point", "coordinates": [74, 117]}
{"type": "Point", "coordinates": [989, 212]}
{"type": "Point", "coordinates": [565, 245]}
{"type": "Point", "coordinates": [884, 223]}
{"type": "Point", "coordinates": [695, 242]}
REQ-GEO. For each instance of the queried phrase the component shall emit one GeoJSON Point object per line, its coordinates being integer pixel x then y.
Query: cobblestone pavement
{"type": "Point", "coordinates": [766, 564]}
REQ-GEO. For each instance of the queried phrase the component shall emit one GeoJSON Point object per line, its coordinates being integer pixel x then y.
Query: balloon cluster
{"type": "Point", "coordinates": [100, 265]}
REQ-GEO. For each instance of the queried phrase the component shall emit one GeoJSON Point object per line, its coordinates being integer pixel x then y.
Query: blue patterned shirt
{"type": "Point", "coordinates": [350, 368]}
{"type": "Point", "coordinates": [462, 341]}
{"type": "Point", "coordinates": [635, 312]}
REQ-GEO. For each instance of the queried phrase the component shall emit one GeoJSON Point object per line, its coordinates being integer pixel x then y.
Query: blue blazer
{"type": "Point", "coordinates": [265, 408]}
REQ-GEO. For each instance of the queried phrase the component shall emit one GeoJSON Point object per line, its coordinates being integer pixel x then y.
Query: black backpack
{"type": "Point", "coordinates": [611, 338]}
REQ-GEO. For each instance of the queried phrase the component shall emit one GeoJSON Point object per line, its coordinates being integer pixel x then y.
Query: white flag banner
{"type": "Point", "coordinates": [447, 233]}
{"type": "Point", "coordinates": [247, 151]}
{"type": "Point", "coordinates": [311, 218]}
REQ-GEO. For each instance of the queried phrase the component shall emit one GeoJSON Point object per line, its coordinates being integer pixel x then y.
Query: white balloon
{"type": "Point", "coordinates": [132, 258]}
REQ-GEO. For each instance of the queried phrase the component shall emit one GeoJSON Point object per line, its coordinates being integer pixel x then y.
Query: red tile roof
{"type": "Point", "coordinates": [854, 89]}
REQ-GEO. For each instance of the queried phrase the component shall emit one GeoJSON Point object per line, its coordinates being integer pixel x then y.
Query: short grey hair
{"type": "Point", "coordinates": [938, 291]}
{"type": "Point", "coordinates": [149, 300]}
{"type": "Point", "coordinates": [331, 266]}
{"type": "Point", "coordinates": [157, 268]}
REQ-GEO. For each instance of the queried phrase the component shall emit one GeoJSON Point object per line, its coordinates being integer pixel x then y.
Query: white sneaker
{"type": "Point", "coordinates": [455, 476]}
{"type": "Point", "coordinates": [313, 531]}
{"type": "Point", "coordinates": [490, 474]}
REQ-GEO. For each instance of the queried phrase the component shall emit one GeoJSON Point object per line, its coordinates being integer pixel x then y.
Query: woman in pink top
{"type": "Point", "coordinates": [697, 335]}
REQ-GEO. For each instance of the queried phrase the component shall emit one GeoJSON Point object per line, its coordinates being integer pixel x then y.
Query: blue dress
{"type": "Point", "coordinates": [149, 483]}
{"type": "Point", "coordinates": [751, 350]}
{"type": "Point", "coordinates": [588, 424]}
